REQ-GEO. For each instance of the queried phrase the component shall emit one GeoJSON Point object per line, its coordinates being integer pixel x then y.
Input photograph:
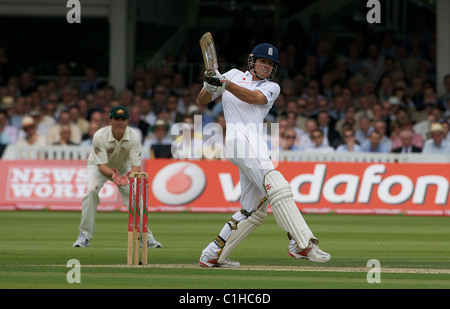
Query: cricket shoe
{"type": "Point", "coordinates": [153, 243]}
{"type": "Point", "coordinates": [312, 253]}
{"type": "Point", "coordinates": [82, 241]}
{"type": "Point", "coordinates": [209, 261]}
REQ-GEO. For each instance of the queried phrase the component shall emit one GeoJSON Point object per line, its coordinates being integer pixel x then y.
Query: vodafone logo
{"type": "Point", "coordinates": [179, 183]}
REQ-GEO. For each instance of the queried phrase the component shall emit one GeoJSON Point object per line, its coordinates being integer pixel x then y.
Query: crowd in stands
{"type": "Point", "coordinates": [375, 93]}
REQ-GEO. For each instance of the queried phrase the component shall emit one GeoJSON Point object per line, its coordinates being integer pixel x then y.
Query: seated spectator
{"type": "Point", "coordinates": [64, 136]}
{"type": "Point", "coordinates": [365, 128]}
{"type": "Point", "coordinates": [8, 132]}
{"type": "Point", "coordinates": [437, 144]}
{"type": "Point", "coordinates": [158, 137]}
{"type": "Point", "coordinates": [77, 119]}
{"type": "Point", "coordinates": [446, 126]}
{"type": "Point", "coordinates": [290, 136]}
{"type": "Point", "coordinates": [350, 142]}
{"type": "Point", "coordinates": [406, 124]}
{"type": "Point", "coordinates": [406, 137]}
{"type": "Point", "coordinates": [349, 118]}
{"type": "Point", "coordinates": [291, 118]}
{"type": "Point", "coordinates": [373, 143]}
{"type": "Point", "coordinates": [137, 123]}
{"type": "Point", "coordinates": [306, 140]}
{"type": "Point", "coordinates": [54, 133]}
{"type": "Point", "coordinates": [380, 126]}
{"type": "Point", "coordinates": [317, 138]}
{"type": "Point", "coordinates": [147, 113]}
{"type": "Point", "coordinates": [31, 137]}
{"type": "Point", "coordinates": [93, 127]}
{"type": "Point", "coordinates": [327, 126]}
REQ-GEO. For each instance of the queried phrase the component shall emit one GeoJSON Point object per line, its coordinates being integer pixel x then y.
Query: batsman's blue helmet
{"type": "Point", "coordinates": [267, 51]}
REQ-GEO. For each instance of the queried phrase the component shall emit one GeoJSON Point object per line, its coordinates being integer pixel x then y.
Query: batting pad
{"type": "Point", "coordinates": [244, 228]}
{"type": "Point", "coordinates": [285, 211]}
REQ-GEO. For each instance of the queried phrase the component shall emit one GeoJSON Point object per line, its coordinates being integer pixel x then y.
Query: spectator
{"type": "Point", "coordinates": [290, 136]}
{"type": "Point", "coordinates": [159, 98]}
{"type": "Point", "coordinates": [301, 119]}
{"type": "Point", "coordinates": [280, 139]}
{"type": "Point", "coordinates": [54, 134]}
{"type": "Point", "coordinates": [305, 140]}
{"type": "Point", "coordinates": [137, 123]}
{"type": "Point", "coordinates": [373, 143]}
{"type": "Point", "coordinates": [89, 85]}
{"type": "Point", "coordinates": [350, 142]}
{"type": "Point", "coordinates": [4, 138]}
{"type": "Point", "coordinates": [349, 119]}
{"type": "Point", "coordinates": [405, 124]}
{"type": "Point", "coordinates": [445, 97]}
{"type": "Point", "coordinates": [93, 127]}
{"type": "Point", "coordinates": [437, 144]}
{"type": "Point", "coordinates": [326, 125]}
{"type": "Point", "coordinates": [406, 137]}
{"type": "Point", "coordinates": [374, 64]}
{"type": "Point", "coordinates": [317, 138]}
{"type": "Point", "coordinates": [185, 101]}
{"type": "Point", "coordinates": [125, 98]}
{"type": "Point", "coordinates": [77, 119]}
{"type": "Point", "coordinates": [64, 136]}
{"type": "Point", "coordinates": [31, 137]}
{"type": "Point", "coordinates": [48, 117]}
{"type": "Point", "coordinates": [16, 110]}
{"type": "Point", "coordinates": [147, 113]}
{"type": "Point", "coordinates": [337, 110]}
{"type": "Point", "coordinates": [446, 126]}
{"type": "Point", "coordinates": [171, 107]}
{"type": "Point", "coordinates": [365, 128]}
{"type": "Point", "coordinates": [364, 108]}
{"type": "Point", "coordinates": [380, 126]}
{"type": "Point", "coordinates": [67, 99]}
{"type": "Point", "coordinates": [291, 118]}
{"type": "Point", "coordinates": [9, 133]}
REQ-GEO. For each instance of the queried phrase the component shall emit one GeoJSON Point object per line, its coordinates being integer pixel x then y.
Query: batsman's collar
{"type": "Point", "coordinates": [119, 111]}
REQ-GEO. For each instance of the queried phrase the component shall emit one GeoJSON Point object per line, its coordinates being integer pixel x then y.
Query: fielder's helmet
{"type": "Point", "coordinates": [266, 51]}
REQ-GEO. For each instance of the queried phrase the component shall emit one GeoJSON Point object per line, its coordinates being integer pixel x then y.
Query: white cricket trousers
{"type": "Point", "coordinates": [95, 182]}
{"type": "Point", "coordinates": [250, 154]}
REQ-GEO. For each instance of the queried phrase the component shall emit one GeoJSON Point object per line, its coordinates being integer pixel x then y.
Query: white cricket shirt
{"type": "Point", "coordinates": [119, 154]}
{"type": "Point", "coordinates": [240, 112]}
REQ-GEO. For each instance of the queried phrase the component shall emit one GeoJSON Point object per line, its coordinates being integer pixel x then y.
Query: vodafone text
{"type": "Point", "coordinates": [356, 189]}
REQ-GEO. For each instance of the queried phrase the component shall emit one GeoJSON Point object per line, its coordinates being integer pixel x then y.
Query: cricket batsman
{"type": "Point", "coordinates": [247, 98]}
{"type": "Point", "coordinates": [116, 152]}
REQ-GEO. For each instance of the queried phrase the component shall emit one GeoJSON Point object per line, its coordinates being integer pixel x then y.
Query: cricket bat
{"type": "Point", "coordinates": [209, 53]}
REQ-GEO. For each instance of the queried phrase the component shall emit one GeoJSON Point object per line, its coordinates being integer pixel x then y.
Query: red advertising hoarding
{"type": "Point", "coordinates": [51, 185]}
{"type": "Point", "coordinates": [357, 188]}
{"type": "Point", "coordinates": [213, 186]}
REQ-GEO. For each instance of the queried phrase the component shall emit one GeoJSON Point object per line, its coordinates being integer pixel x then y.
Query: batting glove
{"type": "Point", "coordinates": [215, 83]}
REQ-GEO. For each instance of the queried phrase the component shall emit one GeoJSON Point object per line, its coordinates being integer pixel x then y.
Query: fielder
{"type": "Point", "coordinates": [247, 98]}
{"type": "Point", "coordinates": [116, 152]}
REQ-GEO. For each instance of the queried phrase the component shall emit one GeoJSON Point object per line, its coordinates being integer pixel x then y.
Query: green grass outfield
{"type": "Point", "coordinates": [414, 252]}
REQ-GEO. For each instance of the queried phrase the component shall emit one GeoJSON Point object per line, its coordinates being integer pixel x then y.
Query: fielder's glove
{"type": "Point", "coordinates": [215, 83]}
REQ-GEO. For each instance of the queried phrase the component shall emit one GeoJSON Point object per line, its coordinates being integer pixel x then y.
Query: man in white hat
{"type": "Point", "coordinates": [437, 143]}
{"type": "Point", "coordinates": [31, 137]}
